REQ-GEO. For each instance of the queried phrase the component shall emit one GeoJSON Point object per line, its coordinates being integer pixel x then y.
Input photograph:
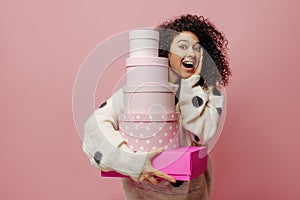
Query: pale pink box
{"type": "Point", "coordinates": [184, 163]}
{"type": "Point", "coordinates": [145, 70]}
{"type": "Point", "coordinates": [154, 99]}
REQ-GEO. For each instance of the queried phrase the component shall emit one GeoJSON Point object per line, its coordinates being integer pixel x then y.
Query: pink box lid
{"type": "Point", "coordinates": [152, 61]}
{"type": "Point", "coordinates": [141, 117]}
{"type": "Point", "coordinates": [149, 88]}
{"type": "Point", "coordinates": [144, 33]}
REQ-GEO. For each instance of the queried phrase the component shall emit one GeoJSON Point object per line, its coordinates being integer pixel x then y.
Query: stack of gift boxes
{"type": "Point", "coordinates": [149, 120]}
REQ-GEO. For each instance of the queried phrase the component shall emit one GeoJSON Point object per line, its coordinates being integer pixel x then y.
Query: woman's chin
{"type": "Point", "coordinates": [187, 72]}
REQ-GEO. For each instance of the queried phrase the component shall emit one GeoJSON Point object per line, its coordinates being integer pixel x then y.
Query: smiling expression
{"type": "Point", "coordinates": [184, 55]}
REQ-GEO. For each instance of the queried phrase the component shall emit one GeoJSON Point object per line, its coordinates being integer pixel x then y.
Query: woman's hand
{"type": "Point", "coordinates": [199, 67]}
{"type": "Point", "coordinates": [149, 172]}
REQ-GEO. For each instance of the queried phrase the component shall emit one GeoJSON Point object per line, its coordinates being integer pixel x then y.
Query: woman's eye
{"type": "Point", "coordinates": [197, 48]}
{"type": "Point", "coordinates": [183, 46]}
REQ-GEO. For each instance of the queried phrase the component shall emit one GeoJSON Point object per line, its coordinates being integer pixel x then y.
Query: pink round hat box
{"type": "Point", "coordinates": [150, 132]}
{"type": "Point", "coordinates": [143, 43]}
{"type": "Point", "coordinates": [147, 69]}
{"type": "Point", "coordinates": [149, 99]}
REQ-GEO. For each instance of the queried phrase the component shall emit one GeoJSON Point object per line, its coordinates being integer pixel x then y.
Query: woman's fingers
{"type": "Point", "coordinates": [199, 67]}
{"type": "Point", "coordinates": [149, 172]}
{"type": "Point", "coordinates": [153, 154]}
{"type": "Point", "coordinates": [153, 180]}
{"type": "Point", "coordinates": [141, 178]}
{"type": "Point", "coordinates": [156, 172]}
{"type": "Point", "coordinates": [164, 176]}
{"type": "Point", "coordinates": [150, 177]}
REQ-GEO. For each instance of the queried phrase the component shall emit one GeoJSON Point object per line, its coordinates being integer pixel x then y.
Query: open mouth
{"type": "Point", "coordinates": [188, 64]}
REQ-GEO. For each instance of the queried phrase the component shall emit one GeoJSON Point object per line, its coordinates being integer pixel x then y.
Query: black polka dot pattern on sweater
{"type": "Point", "coordinates": [197, 101]}
{"type": "Point", "coordinates": [102, 105]}
{"type": "Point", "coordinates": [178, 91]}
{"type": "Point", "coordinates": [196, 138]}
{"type": "Point", "coordinates": [216, 92]}
{"type": "Point", "coordinates": [176, 100]}
{"type": "Point", "coordinates": [98, 157]}
{"type": "Point", "coordinates": [219, 110]}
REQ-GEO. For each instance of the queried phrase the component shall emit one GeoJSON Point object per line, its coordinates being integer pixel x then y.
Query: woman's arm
{"type": "Point", "coordinates": [104, 145]}
{"type": "Point", "coordinates": [200, 110]}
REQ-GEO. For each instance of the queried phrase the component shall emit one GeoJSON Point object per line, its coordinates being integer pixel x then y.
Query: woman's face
{"type": "Point", "coordinates": [184, 55]}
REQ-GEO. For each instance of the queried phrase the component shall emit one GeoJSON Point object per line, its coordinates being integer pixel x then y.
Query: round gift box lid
{"type": "Point", "coordinates": [140, 117]}
{"type": "Point", "coordinates": [144, 34]}
{"type": "Point", "coordinates": [142, 61]}
{"type": "Point", "coordinates": [149, 89]}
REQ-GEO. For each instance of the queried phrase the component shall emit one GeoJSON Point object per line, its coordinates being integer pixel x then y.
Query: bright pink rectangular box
{"type": "Point", "coordinates": [184, 163]}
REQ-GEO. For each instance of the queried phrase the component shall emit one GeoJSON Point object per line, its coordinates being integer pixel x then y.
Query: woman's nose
{"type": "Point", "coordinates": [191, 52]}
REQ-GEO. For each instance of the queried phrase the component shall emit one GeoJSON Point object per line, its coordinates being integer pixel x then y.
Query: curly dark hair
{"type": "Point", "coordinates": [215, 67]}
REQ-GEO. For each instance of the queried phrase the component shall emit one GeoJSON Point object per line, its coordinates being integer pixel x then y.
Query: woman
{"type": "Point", "coordinates": [198, 63]}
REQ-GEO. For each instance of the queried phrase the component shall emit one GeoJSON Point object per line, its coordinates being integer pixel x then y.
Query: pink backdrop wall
{"type": "Point", "coordinates": [43, 43]}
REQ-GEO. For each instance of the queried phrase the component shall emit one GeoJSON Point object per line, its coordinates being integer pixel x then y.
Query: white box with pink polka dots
{"type": "Point", "coordinates": [149, 132]}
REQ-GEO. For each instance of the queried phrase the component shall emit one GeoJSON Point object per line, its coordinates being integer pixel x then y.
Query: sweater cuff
{"type": "Point", "coordinates": [127, 163]}
{"type": "Point", "coordinates": [106, 154]}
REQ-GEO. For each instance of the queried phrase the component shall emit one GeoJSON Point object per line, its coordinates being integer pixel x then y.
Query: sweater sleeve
{"type": "Point", "coordinates": [200, 110]}
{"type": "Point", "coordinates": [104, 145]}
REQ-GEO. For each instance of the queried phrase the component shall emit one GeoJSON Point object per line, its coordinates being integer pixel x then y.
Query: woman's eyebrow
{"type": "Point", "coordinates": [182, 40]}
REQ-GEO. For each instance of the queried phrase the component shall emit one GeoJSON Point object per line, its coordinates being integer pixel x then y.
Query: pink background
{"type": "Point", "coordinates": [43, 43]}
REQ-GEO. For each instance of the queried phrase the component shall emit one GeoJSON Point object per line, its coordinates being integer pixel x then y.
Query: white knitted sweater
{"type": "Point", "coordinates": [107, 149]}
